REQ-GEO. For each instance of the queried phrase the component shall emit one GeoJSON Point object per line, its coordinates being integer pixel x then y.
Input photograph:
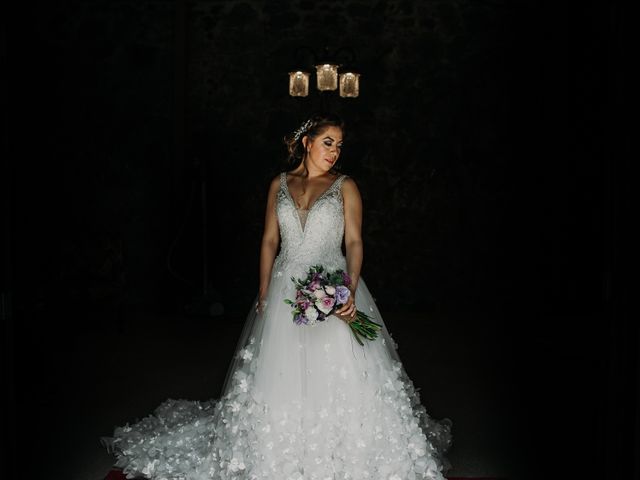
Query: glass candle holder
{"type": "Point", "coordinates": [327, 75]}
{"type": "Point", "coordinates": [298, 84]}
{"type": "Point", "coordinates": [349, 84]}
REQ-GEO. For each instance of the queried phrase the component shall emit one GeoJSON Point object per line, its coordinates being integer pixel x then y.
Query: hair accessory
{"type": "Point", "coordinates": [303, 129]}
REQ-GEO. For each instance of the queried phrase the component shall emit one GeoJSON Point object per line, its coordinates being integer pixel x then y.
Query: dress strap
{"type": "Point", "coordinates": [338, 183]}
{"type": "Point", "coordinates": [283, 181]}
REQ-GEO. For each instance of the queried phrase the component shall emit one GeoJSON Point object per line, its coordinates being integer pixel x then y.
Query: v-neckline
{"type": "Point", "coordinates": [286, 186]}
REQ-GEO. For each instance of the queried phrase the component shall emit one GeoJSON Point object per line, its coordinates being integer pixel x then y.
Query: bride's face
{"type": "Point", "coordinates": [324, 150]}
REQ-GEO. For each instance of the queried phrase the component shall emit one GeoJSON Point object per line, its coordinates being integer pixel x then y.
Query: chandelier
{"type": "Point", "coordinates": [328, 76]}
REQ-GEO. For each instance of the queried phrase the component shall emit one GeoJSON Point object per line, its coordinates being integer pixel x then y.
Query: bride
{"type": "Point", "coordinates": [299, 402]}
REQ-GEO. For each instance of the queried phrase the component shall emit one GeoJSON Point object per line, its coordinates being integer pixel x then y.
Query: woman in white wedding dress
{"type": "Point", "coordinates": [299, 402]}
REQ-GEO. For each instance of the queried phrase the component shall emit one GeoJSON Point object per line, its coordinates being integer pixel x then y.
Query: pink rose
{"type": "Point", "coordinates": [325, 305]}
{"type": "Point", "coordinates": [319, 293]}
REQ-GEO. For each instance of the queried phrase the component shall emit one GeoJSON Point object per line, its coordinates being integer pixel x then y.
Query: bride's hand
{"type": "Point", "coordinates": [260, 305]}
{"type": "Point", "coordinates": [347, 312]}
{"type": "Point", "coordinates": [345, 318]}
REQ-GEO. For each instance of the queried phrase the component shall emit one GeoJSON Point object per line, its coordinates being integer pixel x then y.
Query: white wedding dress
{"type": "Point", "coordinates": [299, 402]}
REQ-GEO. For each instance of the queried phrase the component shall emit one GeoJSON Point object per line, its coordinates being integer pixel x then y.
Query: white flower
{"type": "Point", "coordinates": [246, 354]}
{"type": "Point", "coordinates": [319, 293]}
{"type": "Point", "coordinates": [150, 467]}
{"type": "Point", "coordinates": [234, 406]}
{"type": "Point", "coordinates": [413, 448]}
{"type": "Point", "coordinates": [330, 289]}
{"type": "Point", "coordinates": [244, 385]}
{"type": "Point", "coordinates": [235, 465]}
{"type": "Point", "coordinates": [312, 314]}
{"type": "Point", "coordinates": [278, 274]}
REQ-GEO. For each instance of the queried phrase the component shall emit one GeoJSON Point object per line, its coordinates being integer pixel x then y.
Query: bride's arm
{"type": "Point", "coordinates": [270, 240]}
{"type": "Point", "coordinates": [352, 240]}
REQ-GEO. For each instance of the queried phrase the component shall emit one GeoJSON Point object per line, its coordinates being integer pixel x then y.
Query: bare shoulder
{"type": "Point", "coordinates": [349, 186]}
{"type": "Point", "coordinates": [275, 183]}
{"type": "Point", "coordinates": [350, 194]}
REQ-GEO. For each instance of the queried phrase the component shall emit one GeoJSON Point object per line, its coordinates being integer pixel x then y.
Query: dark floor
{"type": "Point", "coordinates": [82, 380]}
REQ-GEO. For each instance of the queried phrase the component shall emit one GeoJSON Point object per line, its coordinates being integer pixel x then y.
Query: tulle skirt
{"type": "Point", "coordinates": [298, 402]}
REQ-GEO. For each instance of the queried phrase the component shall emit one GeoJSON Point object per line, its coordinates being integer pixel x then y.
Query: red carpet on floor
{"type": "Point", "coordinates": [118, 475]}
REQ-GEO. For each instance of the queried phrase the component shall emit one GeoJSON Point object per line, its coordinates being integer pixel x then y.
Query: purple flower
{"type": "Point", "coordinates": [342, 294]}
{"type": "Point", "coordinates": [319, 294]}
{"type": "Point", "coordinates": [303, 304]}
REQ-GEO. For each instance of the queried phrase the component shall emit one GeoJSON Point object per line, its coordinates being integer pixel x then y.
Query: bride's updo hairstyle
{"type": "Point", "coordinates": [312, 127]}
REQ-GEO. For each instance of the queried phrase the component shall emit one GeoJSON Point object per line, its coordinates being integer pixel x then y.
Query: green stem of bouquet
{"type": "Point", "coordinates": [364, 327]}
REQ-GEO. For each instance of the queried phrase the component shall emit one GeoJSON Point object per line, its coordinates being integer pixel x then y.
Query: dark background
{"type": "Point", "coordinates": [488, 144]}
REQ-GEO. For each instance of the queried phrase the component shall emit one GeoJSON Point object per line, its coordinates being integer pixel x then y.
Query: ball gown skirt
{"type": "Point", "coordinates": [299, 402]}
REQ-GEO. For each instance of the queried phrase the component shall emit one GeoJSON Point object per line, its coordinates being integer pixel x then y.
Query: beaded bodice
{"type": "Point", "coordinates": [311, 237]}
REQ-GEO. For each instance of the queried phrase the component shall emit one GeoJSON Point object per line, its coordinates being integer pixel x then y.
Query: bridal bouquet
{"type": "Point", "coordinates": [320, 294]}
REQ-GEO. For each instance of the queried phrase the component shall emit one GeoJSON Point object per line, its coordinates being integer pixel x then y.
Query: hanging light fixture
{"type": "Point", "coordinates": [327, 75]}
{"type": "Point", "coordinates": [298, 84]}
{"type": "Point", "coordinates": [349, 85]}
